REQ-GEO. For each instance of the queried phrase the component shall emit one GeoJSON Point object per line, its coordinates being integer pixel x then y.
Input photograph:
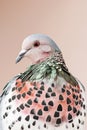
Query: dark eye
{"type": "Point", "coordinates": [36, 43]}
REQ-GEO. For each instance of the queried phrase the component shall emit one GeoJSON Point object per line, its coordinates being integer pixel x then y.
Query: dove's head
{"type": "Point", "coordinates": [37, 48]}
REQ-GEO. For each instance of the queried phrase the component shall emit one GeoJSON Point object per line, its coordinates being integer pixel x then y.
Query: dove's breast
{"type": "Point", "coordinates": [43, 104]}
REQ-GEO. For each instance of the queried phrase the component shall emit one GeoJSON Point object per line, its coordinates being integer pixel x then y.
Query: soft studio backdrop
{"type": "Point", "coordinates": [63, 20]}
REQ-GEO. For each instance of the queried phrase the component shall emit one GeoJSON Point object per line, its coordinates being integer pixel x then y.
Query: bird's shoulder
{"type": "Point", "coordinates": [8, 86]}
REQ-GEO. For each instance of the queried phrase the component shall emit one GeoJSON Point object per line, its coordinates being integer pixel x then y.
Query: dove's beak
{"type": "Point", "coordinates": [21, 55]}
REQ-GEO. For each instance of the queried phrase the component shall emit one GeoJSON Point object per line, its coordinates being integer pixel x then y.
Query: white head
{"type": "Point", "coordinates": [37, 47]}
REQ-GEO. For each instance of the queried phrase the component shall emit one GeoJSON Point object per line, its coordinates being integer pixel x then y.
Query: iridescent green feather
{"type": "Point", "coordinates": [50, 68]}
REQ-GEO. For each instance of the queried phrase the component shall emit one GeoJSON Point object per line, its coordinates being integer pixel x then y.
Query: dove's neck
{"type": "Point", "coordinates": [58, 58]}
{"type": "Point", "coordinates": [54, 56]}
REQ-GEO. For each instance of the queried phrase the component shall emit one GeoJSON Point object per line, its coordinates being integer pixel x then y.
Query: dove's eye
{"type": "Point", "coordinates": [36, 43]}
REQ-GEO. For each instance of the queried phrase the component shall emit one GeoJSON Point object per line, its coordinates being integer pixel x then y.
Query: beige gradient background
{"type": "Point", "coordinates": [63, 20]}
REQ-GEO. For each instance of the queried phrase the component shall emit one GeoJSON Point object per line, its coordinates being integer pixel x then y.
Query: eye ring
{"type": "Point", "coordinates": [36, 43]}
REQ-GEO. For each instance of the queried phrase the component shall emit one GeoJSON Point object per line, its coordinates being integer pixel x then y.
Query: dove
{"type": "Point", "coordinates": [46, 96]}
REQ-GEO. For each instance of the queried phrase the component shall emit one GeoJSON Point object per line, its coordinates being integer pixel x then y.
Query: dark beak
{"type": "Point", "coordinates": [21, 55]}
